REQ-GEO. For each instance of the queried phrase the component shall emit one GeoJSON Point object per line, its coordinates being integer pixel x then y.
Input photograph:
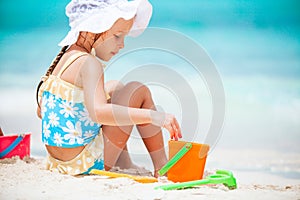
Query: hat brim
{"type": "Point", "coordinates": [140, 9]}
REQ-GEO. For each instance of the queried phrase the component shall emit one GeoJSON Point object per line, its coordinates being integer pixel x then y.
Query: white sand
{"type": "Point", "coordinates": [29, 180]}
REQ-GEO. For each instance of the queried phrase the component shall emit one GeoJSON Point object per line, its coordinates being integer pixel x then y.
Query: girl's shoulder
{"type": "Point", "coordinates": [91, 65]}
{"type": "Point", "coordinates": [92, 60]}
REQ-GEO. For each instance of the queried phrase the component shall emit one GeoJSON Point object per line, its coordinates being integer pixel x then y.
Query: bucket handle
{"type": "Point", "coordinates": [13, 145]}
{"type": "Point", "coordinates": [175, 158]}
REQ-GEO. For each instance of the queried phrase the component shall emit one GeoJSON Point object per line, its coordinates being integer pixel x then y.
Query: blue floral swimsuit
{"type": "Point", "coordinates": [66, 123]}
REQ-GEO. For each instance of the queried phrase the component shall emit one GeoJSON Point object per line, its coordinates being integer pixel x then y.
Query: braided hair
{"type": "Point", "coordinates": [49, 71]}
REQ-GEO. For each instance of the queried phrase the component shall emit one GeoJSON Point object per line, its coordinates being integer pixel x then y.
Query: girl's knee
{"type": "Point", "coordinates": [133, 94]}
{"type": "Point", "coordinates": [136, 86]}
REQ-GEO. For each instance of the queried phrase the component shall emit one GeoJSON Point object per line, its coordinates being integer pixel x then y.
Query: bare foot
{"type": "Point", "coordinates": [156, 174]}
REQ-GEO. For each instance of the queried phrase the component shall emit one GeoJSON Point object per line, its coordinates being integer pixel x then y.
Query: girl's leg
{"type": "Point", "coordinates": [153, 140]}
{"type": "Point", "coordinates": [136, 95]}
{"type": "Point", "coordinates": [124, 160]}
{"type": "Point", "coordinates": [152, 137]}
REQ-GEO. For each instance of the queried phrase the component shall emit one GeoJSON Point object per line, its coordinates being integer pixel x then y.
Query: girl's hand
{"type": "Point", "coordinates": [169, 122]}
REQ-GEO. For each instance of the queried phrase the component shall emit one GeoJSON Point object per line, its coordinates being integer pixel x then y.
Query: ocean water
{"type": "Point", "coordinates": [255, 47]}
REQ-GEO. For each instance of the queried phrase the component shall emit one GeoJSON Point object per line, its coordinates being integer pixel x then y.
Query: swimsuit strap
{"type": "Point", "coordinates": [70, 61]}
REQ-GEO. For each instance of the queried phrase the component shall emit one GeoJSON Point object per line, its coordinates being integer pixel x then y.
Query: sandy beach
{"type": "Point", "coordinates": [27, 179]}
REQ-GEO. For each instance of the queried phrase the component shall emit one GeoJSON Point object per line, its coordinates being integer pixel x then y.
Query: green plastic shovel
{"type": "Point", "coordinates": [221, 177]}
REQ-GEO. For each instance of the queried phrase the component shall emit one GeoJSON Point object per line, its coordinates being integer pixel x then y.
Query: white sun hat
{"type": "Point", "coordinates": [97, 16]}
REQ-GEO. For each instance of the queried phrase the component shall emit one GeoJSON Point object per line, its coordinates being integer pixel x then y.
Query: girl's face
{"type": "Point", "coordinates": [111, 41]}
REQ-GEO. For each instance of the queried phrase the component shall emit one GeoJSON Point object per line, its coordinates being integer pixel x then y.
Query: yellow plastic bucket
{"type": "Point", "coordinates": [191, 166]}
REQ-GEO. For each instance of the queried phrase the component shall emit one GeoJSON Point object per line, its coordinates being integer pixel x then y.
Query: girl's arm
{"type": "Point", "coordinates": [38, 112]}
{"type": "Point", "coordinates": [116, 115]}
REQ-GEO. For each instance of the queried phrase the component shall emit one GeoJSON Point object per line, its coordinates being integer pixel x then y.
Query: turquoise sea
{"type": "Point", "coordinates": [255, 46]}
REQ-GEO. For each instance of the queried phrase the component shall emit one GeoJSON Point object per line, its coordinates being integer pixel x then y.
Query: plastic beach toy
{"type": "Point", "coordinates": [140, 179]}
{"type": "Point", "coordinates": [190, 166]}
{"type": "Point", "coordinates": [15, 145]}
{"type": "Point", "coordinates": [175, 158]}
{"type": "Point", "coordinates": [221, 177]}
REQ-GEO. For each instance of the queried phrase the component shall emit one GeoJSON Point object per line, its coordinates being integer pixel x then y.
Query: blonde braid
{"type": "Point", "coordinates": [49, 71]}
{"type": "Point", "coordinates": [55, 62]}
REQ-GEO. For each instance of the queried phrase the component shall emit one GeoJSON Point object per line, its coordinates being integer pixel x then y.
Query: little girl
{"type": "Point", "coordinates": [85, 122]}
